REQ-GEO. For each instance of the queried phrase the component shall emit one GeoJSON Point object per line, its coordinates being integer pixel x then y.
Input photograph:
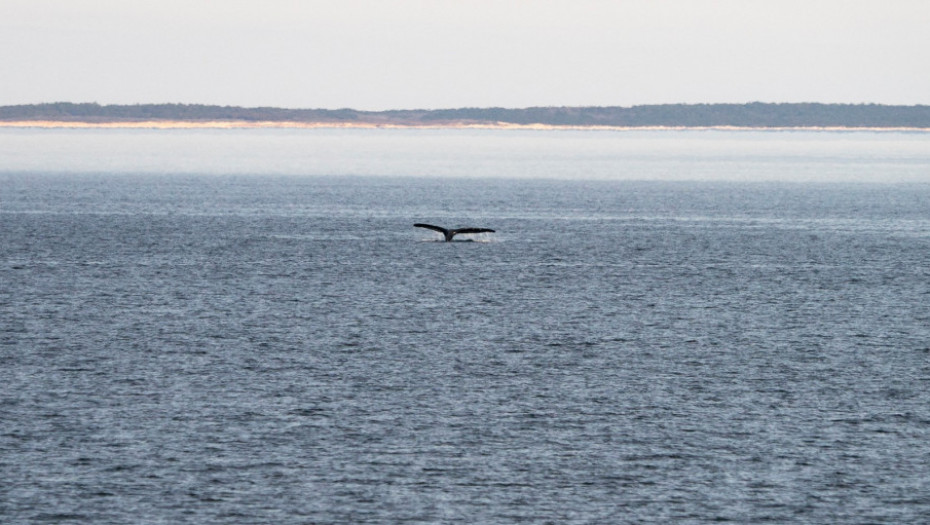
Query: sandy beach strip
{"type": "Point", "coordinates": [244, 124]}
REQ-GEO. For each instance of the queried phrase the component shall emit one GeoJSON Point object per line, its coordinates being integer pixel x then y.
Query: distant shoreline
{"type": "Point", "coordinates": [752, 116]}
{"type": "Point", "coordinates": [242, 124]}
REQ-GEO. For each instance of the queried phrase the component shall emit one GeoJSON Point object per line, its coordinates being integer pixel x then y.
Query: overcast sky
{"type": "Point", "coordinates": [393, 54]}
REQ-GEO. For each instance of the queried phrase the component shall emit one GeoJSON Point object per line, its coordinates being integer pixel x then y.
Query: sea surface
{"type": "Point", "coordinates": [241, 326]}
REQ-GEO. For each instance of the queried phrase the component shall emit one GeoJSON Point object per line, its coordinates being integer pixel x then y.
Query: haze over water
{"type": "Point", "coordinates": [812, 156]}
{"type": "Point", "coordinates": [243, 326]}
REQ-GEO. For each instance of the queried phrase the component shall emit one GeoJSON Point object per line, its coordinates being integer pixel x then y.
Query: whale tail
{"type": "Point", "coordinates": [449, 234]}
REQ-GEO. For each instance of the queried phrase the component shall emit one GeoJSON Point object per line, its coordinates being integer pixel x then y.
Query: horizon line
{"type": "Point", "coordinates": [272, 124]}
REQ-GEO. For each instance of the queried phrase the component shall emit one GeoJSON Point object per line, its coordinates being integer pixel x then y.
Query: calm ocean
{"type": "Point", "coordinates": [241, 326]}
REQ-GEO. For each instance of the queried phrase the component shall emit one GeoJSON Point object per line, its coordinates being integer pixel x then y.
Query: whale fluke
{"type": "Point", "coordinates": [452, 233]}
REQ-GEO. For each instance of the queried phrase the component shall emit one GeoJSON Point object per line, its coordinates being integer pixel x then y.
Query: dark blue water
{"type": "Point", "coordinates": [255, 349]}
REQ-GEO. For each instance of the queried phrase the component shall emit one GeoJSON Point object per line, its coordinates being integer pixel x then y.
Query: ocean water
{"type": "Point", "coordinates": [666, 327]}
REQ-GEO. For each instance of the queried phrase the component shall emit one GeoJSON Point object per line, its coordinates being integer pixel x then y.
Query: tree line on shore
{"type": "Point", "coordinates": [755, 114]}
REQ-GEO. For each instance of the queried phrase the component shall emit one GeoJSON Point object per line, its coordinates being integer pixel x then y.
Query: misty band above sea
{"type": "Point", "coordinates": [185, 341]}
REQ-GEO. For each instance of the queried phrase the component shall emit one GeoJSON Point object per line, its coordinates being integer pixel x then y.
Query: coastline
{"type": "Point", "coordinates": [243, 124]}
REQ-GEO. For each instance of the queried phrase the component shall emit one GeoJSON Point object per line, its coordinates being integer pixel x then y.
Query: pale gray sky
{"type": "Point", "coordinates": [392, 54]}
